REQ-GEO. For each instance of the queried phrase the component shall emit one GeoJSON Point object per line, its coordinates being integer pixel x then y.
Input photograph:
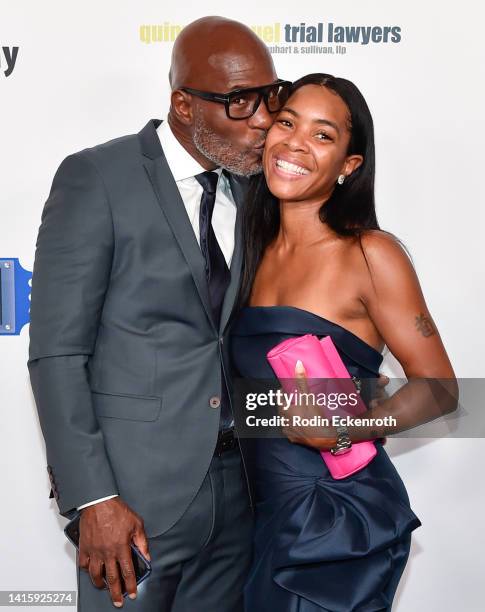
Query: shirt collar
{"type": "Point", "coordinates": [180, 161]}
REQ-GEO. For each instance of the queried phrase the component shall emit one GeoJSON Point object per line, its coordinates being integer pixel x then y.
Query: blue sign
{"type": "Point", "coordinates": [15, 283]}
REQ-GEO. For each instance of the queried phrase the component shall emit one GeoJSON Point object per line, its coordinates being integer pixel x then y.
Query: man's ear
{"type": "Point", "coordinates": [351, 164]}
{"type": "Point", "coordinates": [181, 106]}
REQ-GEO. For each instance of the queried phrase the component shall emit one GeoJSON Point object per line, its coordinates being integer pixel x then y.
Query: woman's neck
{"type": "Point", "coordinates": [300, 225]}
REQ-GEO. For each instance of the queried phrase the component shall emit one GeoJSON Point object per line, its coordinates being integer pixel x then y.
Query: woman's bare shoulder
{"type": "Point", "coordinates": [382, 248]}
{"type": "Point", "coordinates": [389, 265]}
{"type": "Point", "coordinates": [380, 241]}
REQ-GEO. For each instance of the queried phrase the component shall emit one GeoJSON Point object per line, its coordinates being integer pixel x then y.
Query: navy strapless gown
{"type": "Point", "coordinates": [319, 544]}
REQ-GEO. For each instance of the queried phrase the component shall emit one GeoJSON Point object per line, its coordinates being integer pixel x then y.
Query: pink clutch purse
{"type": "Point", "coordinates": [321, 360]}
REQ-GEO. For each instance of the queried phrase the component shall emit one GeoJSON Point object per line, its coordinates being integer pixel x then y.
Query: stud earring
{"type": "Point", "coordinates": [341, 179]}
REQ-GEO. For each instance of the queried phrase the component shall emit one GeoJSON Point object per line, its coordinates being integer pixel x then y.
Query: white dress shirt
{"type": "Point", "coordinates": [184, 168]}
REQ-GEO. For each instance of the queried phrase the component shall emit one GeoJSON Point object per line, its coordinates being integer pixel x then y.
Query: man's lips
{"type": "Point", "coordinates": [258, 150]}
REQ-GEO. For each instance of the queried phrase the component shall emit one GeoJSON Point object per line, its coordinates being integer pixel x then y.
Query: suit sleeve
{"type": "Point", "coordinates": [71, 275]}
{"type": "Point", "coordinates": [95, 501]}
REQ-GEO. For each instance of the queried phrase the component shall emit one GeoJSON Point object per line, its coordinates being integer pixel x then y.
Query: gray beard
{"type": "Point", "coordinates": [221, 151]}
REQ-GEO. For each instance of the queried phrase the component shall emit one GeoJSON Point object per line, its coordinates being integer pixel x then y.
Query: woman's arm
{"type": "Point", "coordinates": [396, 306]}
{"type": "Point", "coordinates": [395, 303]}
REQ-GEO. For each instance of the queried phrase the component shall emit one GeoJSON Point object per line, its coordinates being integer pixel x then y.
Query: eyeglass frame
{"type": "Point", "coordinates": [224, 98]}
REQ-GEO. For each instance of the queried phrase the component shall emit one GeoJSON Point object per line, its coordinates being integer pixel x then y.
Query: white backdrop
{"type": "Point", "coordinates": [84, 75]}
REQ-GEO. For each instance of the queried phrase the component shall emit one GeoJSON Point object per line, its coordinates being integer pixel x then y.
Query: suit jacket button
{"type": "Point", "coordinates": [215, 401]}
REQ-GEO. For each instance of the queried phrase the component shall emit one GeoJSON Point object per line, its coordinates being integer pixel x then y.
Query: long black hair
{"type": "Point", "coordinates": [351, 207]}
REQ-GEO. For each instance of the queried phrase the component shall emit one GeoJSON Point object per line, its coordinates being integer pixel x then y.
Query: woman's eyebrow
{"type": "Point", "coordinates": [319, 121]}
{"type": "Point", "coordinates": [327, 122]}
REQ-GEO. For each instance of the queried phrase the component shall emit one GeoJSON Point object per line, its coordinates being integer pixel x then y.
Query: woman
{"type": "Point", "coordinates": [316, 262]}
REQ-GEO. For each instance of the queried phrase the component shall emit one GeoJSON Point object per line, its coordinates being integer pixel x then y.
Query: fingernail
{"type": "Point", "coordinates": [132, 595]}
{"type": "Point", "coordinates": [299, 366]}
{"type": "Point", "coordinates": [118, 604]}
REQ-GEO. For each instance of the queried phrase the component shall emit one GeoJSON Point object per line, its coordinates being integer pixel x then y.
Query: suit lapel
{"type": "Point", "coordinates": [173, 208]}
{"type": "Point", "coordinates": [239, 188]}
{"type": "Point", "coordinates": [170, 201]}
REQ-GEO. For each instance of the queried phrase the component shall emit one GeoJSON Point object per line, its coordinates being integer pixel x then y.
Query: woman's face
{"type": "Point", "coordinates": [306, 148]}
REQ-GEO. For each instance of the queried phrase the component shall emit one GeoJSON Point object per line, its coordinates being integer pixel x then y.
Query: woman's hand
{"type": "Point", "coordinates": [321, 437]}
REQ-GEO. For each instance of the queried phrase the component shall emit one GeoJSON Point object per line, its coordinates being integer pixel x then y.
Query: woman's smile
{"type": "Point", "coordinates": [288, 168]}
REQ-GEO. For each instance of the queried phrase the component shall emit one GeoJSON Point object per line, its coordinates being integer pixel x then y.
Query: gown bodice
{"type": "Point", "coordinates": [258, 328]}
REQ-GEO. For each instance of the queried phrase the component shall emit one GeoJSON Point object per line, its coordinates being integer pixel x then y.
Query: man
{"type": "Point", "coordinates": [134, 281]}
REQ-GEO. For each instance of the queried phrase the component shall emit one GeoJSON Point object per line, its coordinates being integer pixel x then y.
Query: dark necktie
{"type": "Point", "coordinates": [217, 273]}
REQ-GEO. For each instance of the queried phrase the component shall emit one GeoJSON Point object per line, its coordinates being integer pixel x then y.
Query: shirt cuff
{"type": "Point", "coordinates": [96, 501]}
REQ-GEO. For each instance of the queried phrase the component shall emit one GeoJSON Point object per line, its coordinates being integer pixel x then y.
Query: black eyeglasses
{"type": "Point", "coordinates": [243, 103]}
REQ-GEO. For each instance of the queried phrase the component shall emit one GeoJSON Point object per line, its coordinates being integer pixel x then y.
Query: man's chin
{"type": "Point", "coordinates": [246, 171]}
{"type": "Point", "coordinates": [244, 164]}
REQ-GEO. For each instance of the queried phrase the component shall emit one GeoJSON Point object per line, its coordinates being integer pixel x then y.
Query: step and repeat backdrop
{"type": "Point", "coordinates": [74, 74]}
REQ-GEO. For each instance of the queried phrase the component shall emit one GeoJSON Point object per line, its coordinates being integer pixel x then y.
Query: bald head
{"type": "Point", "coordinates": [213, 52]}
{"type": "Point", "coordinates": [217, 55]}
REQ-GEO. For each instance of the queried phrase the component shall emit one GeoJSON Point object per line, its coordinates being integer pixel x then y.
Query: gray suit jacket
{"type": "Point", "coordinates": [124, 355]}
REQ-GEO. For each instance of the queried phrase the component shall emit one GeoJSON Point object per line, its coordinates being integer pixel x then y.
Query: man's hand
{"type": "Point", "coordinates": [106, 531]}
{"type": "Point", "coordinates": [381, 395]}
